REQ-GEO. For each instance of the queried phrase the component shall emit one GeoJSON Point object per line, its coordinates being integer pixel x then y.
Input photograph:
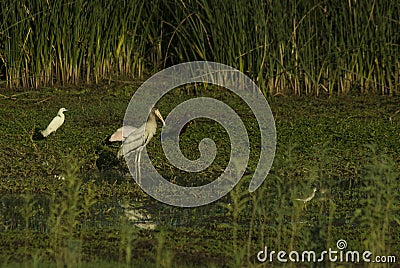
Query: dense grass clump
{"type": "Point", "coordinates": [287, 47]}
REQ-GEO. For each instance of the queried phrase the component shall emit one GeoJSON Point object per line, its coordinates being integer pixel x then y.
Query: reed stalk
{"type": "Point", "coordinates": [290, 47]}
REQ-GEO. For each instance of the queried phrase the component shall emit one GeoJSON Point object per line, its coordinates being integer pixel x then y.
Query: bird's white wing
{"type": "Point", "coordinates": [122, 133]}
{"type": "Point", "coordinates": [127, 130]}
{"type": "Point", "coordinates": [117, 135]}
{"type": "Point", "coordinates": [134, 141]}
{"type": "Point", "coordinates": [53, 126]}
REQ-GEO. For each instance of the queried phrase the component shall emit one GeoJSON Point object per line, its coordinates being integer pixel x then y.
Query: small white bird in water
{"type": "Point", "coordinates": [55, 123]}
{"type": "Point", "coordinates": [305, 200]}
{"type": "Point", "coordinates": [140, 137]}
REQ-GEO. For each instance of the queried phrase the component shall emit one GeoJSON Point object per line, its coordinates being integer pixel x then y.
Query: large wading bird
{"type": "Point", "coordinates": [137, 138]}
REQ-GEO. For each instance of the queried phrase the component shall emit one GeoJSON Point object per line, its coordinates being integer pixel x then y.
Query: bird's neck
{"type": "Point", "coordinates": [151, 117]}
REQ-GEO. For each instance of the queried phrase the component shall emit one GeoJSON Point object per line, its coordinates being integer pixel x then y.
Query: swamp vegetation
{"type": "Point", "coordinates": [329, 69]}
{"type": "Point", "coordinates": [63, 198]}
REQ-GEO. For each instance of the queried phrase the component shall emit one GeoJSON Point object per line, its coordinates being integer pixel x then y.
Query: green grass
{"type": "Point", "coordinates": [347, 147]}
{"type": "Point", "coordinates": [345, 143]}
{"type": "Point", "coordinates": [291, 47]}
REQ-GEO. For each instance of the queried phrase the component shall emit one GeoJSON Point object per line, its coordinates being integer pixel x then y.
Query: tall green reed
{"type": "Point", "coordinates": [27, 211]}
{"type": "Point", "coordinates": [281, 222]}
{"type": "Point", "coordinates": [289, 47]}
{"type": "Point", "coordinates": [164, 257]}
{"type": "Point", "coordinates": [378, 204]}
{"type": "Point", "coordinates": [239, 197]}
{"type": "Point", "coordinates": [48, 42]}
{"type": "Point", "coordinates": [127, 236]}
{"type": "Point", "coordinates": [64, 212]}
{"type": "Point", "coordinates": [293, 47]}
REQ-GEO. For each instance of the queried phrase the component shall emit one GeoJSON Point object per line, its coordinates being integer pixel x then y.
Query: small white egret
{"type": "Point", "coordinates": [55, 123]}
{"type": "Point", "coordinates": [305, 200]}
{"type": "Point", "coordinates": [140, 137]}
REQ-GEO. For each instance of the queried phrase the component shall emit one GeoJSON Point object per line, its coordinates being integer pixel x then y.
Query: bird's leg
{"type": "Point", "coordinates": [138, 164]}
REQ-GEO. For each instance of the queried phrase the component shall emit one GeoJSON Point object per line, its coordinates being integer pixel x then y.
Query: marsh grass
{"type": "Point", "coordinates": [164, 256]}
{"type": "Point", "coordinates": [379, 201]}
{"type": "Point", "coordinates": [301, 48]}
{"type": "Point", "coordinates": [239, 199]}
{"type": "Point", "coordinates": [126, 242]}
{"type": "Point", "coordinates": [78, 221]}
{"type": "Point", "coordinates": [64, 210]}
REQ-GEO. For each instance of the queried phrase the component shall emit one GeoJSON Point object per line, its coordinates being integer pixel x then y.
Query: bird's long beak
{"type": "Point", "coordinates": [157, 112]}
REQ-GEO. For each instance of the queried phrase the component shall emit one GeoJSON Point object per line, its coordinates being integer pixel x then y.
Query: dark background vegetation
{"type": "Point", "coordinates": [289, 47]}
{"type": "Point", "coordinates": [329, 69]}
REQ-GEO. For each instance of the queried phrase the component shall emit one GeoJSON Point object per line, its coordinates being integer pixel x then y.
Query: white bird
{"type": "Point", "coordinates": [140, 217]}
{"type": "Point", "coordinates": [305, 200]}
{"type": "Point", "coordinates": [122, 133]}
{"type": "Point", "coordinates": [139, 138]}
{"type": "Point", "coordinates": [55, 123]}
